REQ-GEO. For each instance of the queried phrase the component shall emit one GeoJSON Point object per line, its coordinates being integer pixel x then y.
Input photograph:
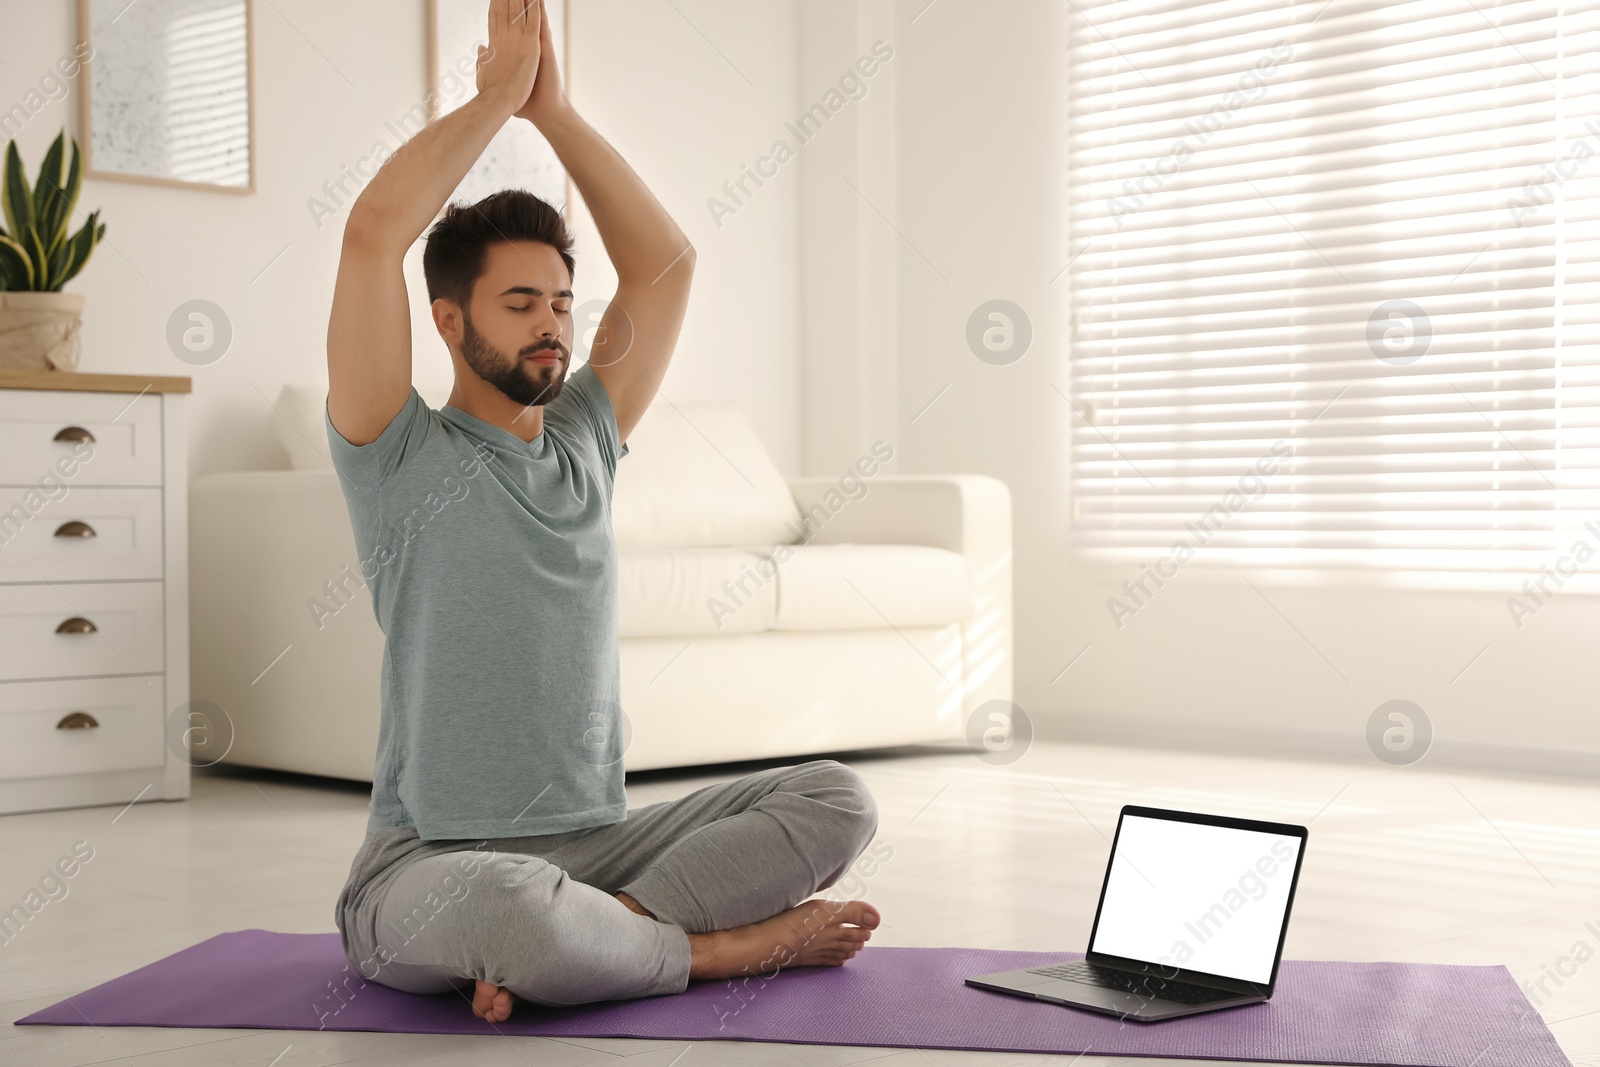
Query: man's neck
{"type": "Point", "coordinates": [483, 401]}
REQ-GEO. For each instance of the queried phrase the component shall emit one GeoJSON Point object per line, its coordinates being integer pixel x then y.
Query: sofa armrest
{"type": "Point", "coordinates": [965, 513]}
{"type": "Point", "coordinates": [284, 637]}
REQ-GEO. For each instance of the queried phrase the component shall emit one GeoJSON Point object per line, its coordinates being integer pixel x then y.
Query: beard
{"type": "Point", "coordinates": [529, 384]}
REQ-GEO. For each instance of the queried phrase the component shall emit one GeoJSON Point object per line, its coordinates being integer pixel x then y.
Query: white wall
{"type": "Point", "coordinates": [938, 189]}
{"type": "Point", "coordinates": [848, 81]}
{"type": "Point", "coordinates": [665, 89]}
{"type": "Point", "coordinates": [978, 158]}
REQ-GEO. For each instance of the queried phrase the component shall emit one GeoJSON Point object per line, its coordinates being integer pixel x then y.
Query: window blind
{"type": "Point", "coordinates": [1335, 281]}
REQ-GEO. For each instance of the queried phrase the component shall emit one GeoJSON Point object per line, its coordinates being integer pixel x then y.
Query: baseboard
{"type": "Point", "coordinates": [1343, 747]}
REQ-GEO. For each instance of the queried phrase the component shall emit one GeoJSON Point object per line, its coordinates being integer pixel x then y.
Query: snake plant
{"type": "Point", "coordinates": [35, 252]}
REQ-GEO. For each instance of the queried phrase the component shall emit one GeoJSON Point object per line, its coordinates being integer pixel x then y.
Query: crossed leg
{"type": "Point", "coordinates": [816, 933]}
{"type": "Point", "coordinates": [701, 887]}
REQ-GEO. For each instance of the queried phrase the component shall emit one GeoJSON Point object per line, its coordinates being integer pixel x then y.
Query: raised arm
{"type": "Point", "coordinates": [653, 259]}
{"type": "Point", "coordinates": [369, 328]}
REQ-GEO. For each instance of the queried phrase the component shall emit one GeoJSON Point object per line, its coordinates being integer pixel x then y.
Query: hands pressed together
{"type": "Point", "coordinates": [518, 66]}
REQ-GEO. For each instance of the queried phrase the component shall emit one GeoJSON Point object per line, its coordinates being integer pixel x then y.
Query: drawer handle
{"type": "Point", "coordinates": [76, 625]}
{"type": "Point", "coordinates": [78, 720]}
{"type": "Point", "coordinates": [75, 529]}
{"type": "Point", "coordinates": [73, 434]}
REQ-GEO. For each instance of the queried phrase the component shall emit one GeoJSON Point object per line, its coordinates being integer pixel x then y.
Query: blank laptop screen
{"type": "Point", "coordinates": [1204, 898]}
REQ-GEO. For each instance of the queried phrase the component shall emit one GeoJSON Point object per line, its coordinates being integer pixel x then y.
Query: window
{"type": "Point", "coordinates": [1335, 286]}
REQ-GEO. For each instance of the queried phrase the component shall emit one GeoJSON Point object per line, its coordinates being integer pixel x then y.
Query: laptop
{"type": "Point", "coordinates": [1191, 918]}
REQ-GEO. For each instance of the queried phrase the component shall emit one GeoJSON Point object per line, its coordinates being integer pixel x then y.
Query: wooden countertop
{"type": "Point", "coordinates": [74, 381]}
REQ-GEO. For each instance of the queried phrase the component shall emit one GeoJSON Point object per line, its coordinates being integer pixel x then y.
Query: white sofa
{"type": "Point", "coordinates": [759, 618]}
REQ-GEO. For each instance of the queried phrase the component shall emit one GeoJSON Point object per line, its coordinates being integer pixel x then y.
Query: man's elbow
{"type": "Point", "coordinates": [681, 271]}
{"type": "Point", "coordinates": [367, 230]}
{"type": "Point", "coordinates": [649, 275]}
{"type": "Point", "coordinates": [360, 226]}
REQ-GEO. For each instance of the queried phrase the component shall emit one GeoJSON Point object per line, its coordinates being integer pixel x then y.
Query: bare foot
{"type": "Point", "coordinates": [491, 1002]}
{"type": "Point", "coordinates": [817, 933]}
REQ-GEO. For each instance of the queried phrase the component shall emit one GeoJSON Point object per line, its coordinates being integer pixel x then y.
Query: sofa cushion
{"type": "Point", "coordinates": [682, 592]}
{"type": "Point", "coordinates": [697, 475]}
{"type": "Point", "coordinates": [298, 424]}
{"type": "Point", "coordinates": [871, 587]}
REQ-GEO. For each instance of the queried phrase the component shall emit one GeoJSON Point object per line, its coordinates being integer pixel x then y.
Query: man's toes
{"type": "Point", "coordinates": [491, 1002]}
{"type": "Point", "coordinates": [843, 938]}
{"type": "Point", "coordinates": [859, 913]}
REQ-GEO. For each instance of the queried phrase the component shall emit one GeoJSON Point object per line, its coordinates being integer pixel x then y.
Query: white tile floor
{"type": "Point", "coordinates": [1404, 864]}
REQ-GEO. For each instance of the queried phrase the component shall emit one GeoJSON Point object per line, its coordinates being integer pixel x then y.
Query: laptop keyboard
{"type": "Point", "coordinates": [1142, 985]}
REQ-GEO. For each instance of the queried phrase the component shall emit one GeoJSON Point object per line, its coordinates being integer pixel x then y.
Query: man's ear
{"type": "Point", "coordinates": [447, 320]}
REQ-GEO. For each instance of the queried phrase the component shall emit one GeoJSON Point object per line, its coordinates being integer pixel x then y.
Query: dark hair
{"type": "Point", "coordinates": [452, 259]}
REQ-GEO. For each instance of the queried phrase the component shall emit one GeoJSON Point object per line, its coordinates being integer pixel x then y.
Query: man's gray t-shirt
{"type": "Point", "coordinates": [493, 573]}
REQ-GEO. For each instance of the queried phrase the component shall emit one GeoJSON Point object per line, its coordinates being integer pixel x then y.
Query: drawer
{"type": "Point", "coordinates": [129, 730]}
{"type": "Point", "coordinates": [85, 535]}
{"type": "Point", "coordinates": [101, 438]}
{"type": "Point", "coordinates": [75, 630]}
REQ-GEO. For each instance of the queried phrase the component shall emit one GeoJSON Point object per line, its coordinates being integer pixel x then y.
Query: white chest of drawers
{"type": "Point", "coordinates": [94, 590]}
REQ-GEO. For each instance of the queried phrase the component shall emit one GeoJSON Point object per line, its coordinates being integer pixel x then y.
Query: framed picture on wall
{"type": "Point", "coordinates": [518, 156]}
{"type": "Point", "coordinates": [166, 93]}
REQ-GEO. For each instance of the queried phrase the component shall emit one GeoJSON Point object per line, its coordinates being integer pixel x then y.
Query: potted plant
{"type": "Point", "coordinates": [38, 322]}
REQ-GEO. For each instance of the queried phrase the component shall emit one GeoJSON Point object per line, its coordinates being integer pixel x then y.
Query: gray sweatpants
{"type": "Point", "coordinates": [537, 915]}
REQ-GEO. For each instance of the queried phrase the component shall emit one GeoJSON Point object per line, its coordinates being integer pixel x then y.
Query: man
{"type": "Point", "coordinates": [500, 853]}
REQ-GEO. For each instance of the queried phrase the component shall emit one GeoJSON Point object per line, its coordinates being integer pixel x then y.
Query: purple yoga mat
{"type": "Point", "coordinates": [1417, 1015]}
